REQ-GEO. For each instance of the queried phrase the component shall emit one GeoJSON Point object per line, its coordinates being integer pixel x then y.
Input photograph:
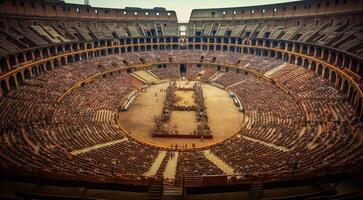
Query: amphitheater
{"type": "Point", "coordinates": [258, 102]}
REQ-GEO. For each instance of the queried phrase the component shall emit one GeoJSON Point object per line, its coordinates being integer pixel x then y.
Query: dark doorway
{"type": "Point", "coordinates": [183, 69]}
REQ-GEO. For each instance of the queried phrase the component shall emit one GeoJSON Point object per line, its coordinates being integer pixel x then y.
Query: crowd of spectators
{"type": "Point", "coordinates": [309, 126]}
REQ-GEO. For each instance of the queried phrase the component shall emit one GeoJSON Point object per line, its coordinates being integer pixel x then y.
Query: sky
{"type": "Point", "coordinates": [183, 8]}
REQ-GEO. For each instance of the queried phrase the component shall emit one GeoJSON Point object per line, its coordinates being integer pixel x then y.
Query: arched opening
{"type": "Point", "coordinates": [90, 54]}
{"type": "Point", "coordinates": [304, 49]}
{"type": "Point", "coordinates": [320, 69]}
{"type": "Point", "coordinates": [4, 66]}
{"type": "Point", "coordinates": [63, 61]}
{"type": "Point", "coordinates": [52, 51]}
{"type": "Point", "coordinates": [84, 56]}
{"type": "Point", "coordinates": [272, 54]}
{"type": "Point", "coordinates": [183, 69]}
{"type": "Point", "coordinates": [340, 61]}
{"type": "Point", "coordinates": [286, 57]}
{"type": "Point", "coordinates": [332, 58]}
{"type": "Point", "coordinates": [12, 83]}
{"type": "Point", "coordinates": [299, 61]}
{"type": "Point", "coordinates": [37, 54]}
{"type": "Point", "coordinates": [60, 49]}
{"type": "Point", "coordinates": [45, 52]}
{"type": "Point", "coordinates": [4, 88]}
{"type": "Point", "coordinates": [318, 53]}
{"type": "Point", "coordinates": [21, 58]}
{"type": "Point", "coordinates": [97, 54]}
{"type": "Point", "coordinates": [306, 64]}
{"type": "Point", "coordinates": [258, 52]}
{"type": "Point", "coordinates": [252, 51]}
{"type": "Point", "coordinates": [274, 44]}
{"type": "Point", "coordinates": [41, 69]}
{"type": "Point", "coordinates": [27, 74]}
{"type": "Point", "coordinates": [34, 70]}
{"type": "Point", "coordinates": [282, 45]}
{"type": "Point", "coordinates": [325, 55]}
{"type": "Point", "coordinates": [279, 55]}
{"type": "Point", "coordinates": [29, 55]}
{"type": "Point", "coordinates": [19, 78]}
{"type": "Point", "coordinates": [77, 57]}
{"type": "Point", "coordinates": [292, 59]}
{"type": "Point", "coordinates": [297, 48]}
{"type": "Point", "coordinates": [48, 66]}
{"type": "Point", "coordinates": [13, 60]}
{"type": "Point", "coordinates": [70, 59]}
{"type": "Point", "coordinates": [313, 66]}
{"type": "Point", "coordinates": [289, 46]}
{"type": "Point", "coordinates": [55, 63]}
{"type": "Point", "coordinates": [75, 47]}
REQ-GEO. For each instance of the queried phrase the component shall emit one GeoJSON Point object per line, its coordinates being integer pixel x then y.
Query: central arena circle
{"type": "Point", "coordinates": [224, 118]}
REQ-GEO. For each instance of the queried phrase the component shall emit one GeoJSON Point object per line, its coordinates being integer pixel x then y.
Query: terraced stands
{"type": "Point", "coordinates": [145, 76]}
{"type": "Point", "coordinates": [29, 36]}
{"type": "Point", "coordinates": [110, 160]}
{"type": "Point", "coordinates": [54, 34]}
{"type": "Point", "coordinates": [241, 159]}
{"type": "Point", "coordinates": [229, 78]}
{"type": "Point", "coordinates": [262, 64]}
{"type": "Point", "coordinates": [208, 72]}
{"type": "Point", "coordinates": [66, 70]}
{"type": "Point", "coordinates": [313, 93]}
{"type": "Point", "coordinates": [192, 72]}
{"type": "Point", "coordinates": [303, 123]}
{"type": "Point", "coordinates": [195, 164]}
{"type": "Point", "coordinates": [164, 71]}
{"type": "Point", "coordinates": [45, 35]}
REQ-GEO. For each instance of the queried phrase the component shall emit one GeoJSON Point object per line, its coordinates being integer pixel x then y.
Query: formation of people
{"type": "Point", "coordinates": [170, 104]}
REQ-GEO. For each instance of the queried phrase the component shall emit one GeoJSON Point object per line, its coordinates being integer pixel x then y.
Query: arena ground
{"type": "Point", "coordinates": [139, 119]}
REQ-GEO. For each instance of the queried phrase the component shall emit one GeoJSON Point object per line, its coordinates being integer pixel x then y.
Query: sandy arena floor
{"type": "Point", "coordinates": [185, 98]}
{"type": "Point", "coordinates": [224, 116]}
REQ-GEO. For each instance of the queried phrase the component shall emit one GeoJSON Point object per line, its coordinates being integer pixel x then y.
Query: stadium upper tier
{"type": "Point", "coordinates": [28, 24]}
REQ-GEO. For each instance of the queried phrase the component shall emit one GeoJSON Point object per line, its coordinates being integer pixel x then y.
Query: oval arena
{"type": "Point", "coordinates": [257, 102]}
